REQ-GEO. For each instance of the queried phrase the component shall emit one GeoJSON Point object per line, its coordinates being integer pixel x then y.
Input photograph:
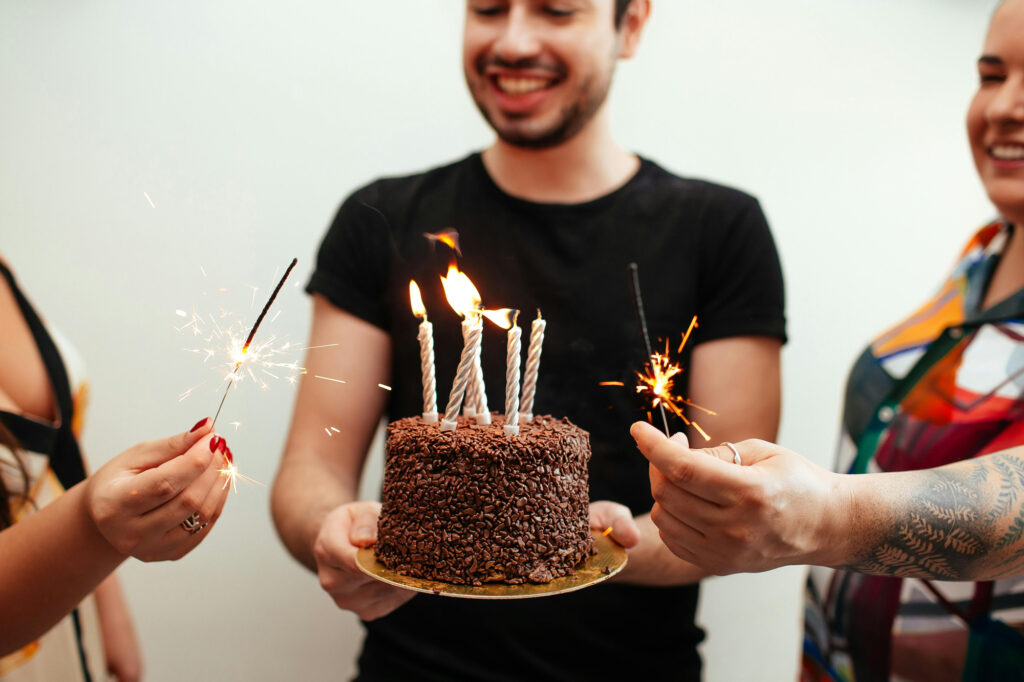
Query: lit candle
{"type": "Point", "coordinates": [504, 318]}
{"type": "Point", "coordinates": [472, 329]}
{"type": "Point", "coordinates": [483, 412]}
{"type": "Point", "coordinates": [469, 405]}
{"type": "Point", "coordinates": [465, 300]}
{"type": "Point", "coordinates": [426, 339]}
{"type": "Point", "coordinates": [532, 367]}
{"type": "Point", "coordinates": [513, 350]}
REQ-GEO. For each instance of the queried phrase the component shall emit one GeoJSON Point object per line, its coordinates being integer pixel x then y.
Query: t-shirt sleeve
{"type": "Point", "coordinates": [740, 285]}
{"type": "Point", "coordinates": [352, 263]}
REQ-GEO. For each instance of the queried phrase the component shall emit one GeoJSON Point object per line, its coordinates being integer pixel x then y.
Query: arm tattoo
{"type": "Point", "coordinates": [960, 522]}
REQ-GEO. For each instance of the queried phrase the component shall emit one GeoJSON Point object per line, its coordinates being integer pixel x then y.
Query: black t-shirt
{"type": "Point", "coordinates": [701, 249]}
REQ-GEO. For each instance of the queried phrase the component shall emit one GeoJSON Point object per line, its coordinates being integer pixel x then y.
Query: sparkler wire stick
{"type": "Point", "coordinates": [252, 333]}
{"type": "Point", "coordinates": [641, 318]}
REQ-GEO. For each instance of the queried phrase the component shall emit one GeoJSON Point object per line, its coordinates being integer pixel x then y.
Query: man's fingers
{"type": "Point", "coordinates": [681, 531]}
{"type": "Point", "coordinates": [692, 470]}
{"type": "Point", "coordinates": [614, 520]}
{"type": "Point", "coordinates": [697, 511]}
{"type": "Point", "coordinates": [363, 524]}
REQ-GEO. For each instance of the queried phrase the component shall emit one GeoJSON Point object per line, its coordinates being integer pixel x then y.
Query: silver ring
{"type": "Point", "coordinates": [735, 453]}
{"type": "Point", "coordinates": [193, 524]}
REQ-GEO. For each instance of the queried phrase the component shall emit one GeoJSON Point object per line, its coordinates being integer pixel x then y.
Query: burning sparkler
{"type": "Point", "coordinates": [657, 383]}
{"type": "Point", "coordinates": [657, 380]}
{"type": "Point", "coordinates": [245, 358]}
{"type": "Point", "coordinates": [244, 350]}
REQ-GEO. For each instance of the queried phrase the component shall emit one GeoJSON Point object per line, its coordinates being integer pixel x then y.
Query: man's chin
{"type": "Point", "coordinates": [525, 136]}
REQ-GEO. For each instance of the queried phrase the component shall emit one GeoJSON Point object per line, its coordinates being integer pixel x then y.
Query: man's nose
{"type": "Point", "coordinates": [520, 38]}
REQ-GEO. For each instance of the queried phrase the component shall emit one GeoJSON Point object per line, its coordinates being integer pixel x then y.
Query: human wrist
{"type": "Point", "coordinates": [840, 517]}
{"type": "Point", "coordinates": [90, 531]}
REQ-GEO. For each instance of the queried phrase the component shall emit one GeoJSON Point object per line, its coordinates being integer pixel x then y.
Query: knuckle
{"type": "Point", "coordinates": [737, 535]}
{"type": "Point", "coordinates": [199, 459]}
{"type": "Point", "coordinates": [165, 488]}
{"type": "Point", "coordinates": [659, 486]}
{"type": "Point", "coordinates": [681, 472]}
{"type": "Point", "coordinates": [191, 500]}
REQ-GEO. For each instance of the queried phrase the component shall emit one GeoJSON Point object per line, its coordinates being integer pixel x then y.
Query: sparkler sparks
{"type": "Point", "coordinates": [237, 356]}
{"type": "Point", "coordinates": [657, 382]}
{"type": "Point", "coordinates": [232, 475]}
{"type": "Point", "coordinates": [240, 356]}
{"type": "Point", "coordinates": [658, 377]}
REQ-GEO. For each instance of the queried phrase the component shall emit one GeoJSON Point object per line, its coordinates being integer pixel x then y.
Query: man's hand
{"type": "Point", "coordinates": [775, 509]}
{"type": "Point", "coordinates": [617, 520]}
{"type": "Point", "coordinates": [342, 533]}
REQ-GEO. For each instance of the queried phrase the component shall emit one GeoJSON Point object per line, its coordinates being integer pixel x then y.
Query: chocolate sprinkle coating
{"type": "Point", "coordinates": [473, 505]}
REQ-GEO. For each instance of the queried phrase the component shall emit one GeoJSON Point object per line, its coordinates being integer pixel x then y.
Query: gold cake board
{"type": "Point", "coordinates": [609, 560]}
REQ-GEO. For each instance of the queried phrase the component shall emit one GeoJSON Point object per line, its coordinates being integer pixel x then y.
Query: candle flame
{"type": "Point", "coordinates": [504, 317]}
{"type": "Point", "coordinates": [448, 236]}
{"type": "Point", "coordinates": [462, 295]}
{"type": "Point", "coordinates": [418, 309]}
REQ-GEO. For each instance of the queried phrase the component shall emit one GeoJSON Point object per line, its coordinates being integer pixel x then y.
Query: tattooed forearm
{"type": "Point", "coordinates": [959, 522]}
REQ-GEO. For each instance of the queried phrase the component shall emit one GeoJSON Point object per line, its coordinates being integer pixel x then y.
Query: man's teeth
{"type": "Point", "coordinates": [521, 86]}
{"type": "Point", "coordinates": [1008, 152]}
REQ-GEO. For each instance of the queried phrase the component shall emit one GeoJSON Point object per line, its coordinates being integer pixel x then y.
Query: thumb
{"type": "Point", "coordinates": [363, 524]}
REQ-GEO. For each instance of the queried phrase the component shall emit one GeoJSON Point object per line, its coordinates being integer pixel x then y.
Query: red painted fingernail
{"type": "Point", "coordinates": [223, 446]}
{"type": "Point", "coordinates": [231, 458]}
{"type": "Point", "coordinates": [215, 443]}
{"type": "Point", "coordinates": [198, 425]}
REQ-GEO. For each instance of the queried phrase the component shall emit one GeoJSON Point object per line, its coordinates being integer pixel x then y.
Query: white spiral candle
{"type": "Point", "coordinates": [532, 368]}
{"type": "Point", "coordinates": [471, 331]}
{"type": "Point", "coordinates": [483, 412]}
{"type": "Point", "coordinates": [426, 339]}
{"type": "Point", "coordinates": [469, 405]}
{"type": "Point", "coordinates": [513, 351]}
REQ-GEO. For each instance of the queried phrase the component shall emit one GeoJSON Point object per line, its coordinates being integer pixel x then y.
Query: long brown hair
{"type": "Point", "coordinates": [8, 441]}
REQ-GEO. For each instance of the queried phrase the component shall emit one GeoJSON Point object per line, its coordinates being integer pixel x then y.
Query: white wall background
{"type": "Point", "coordinates": [245, 123]}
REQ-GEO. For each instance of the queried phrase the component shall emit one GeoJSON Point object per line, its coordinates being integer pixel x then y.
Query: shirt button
{"type": "Point", "coordinates": [956, 333]}
{"type": "Point", "coordinates": [885, 414]}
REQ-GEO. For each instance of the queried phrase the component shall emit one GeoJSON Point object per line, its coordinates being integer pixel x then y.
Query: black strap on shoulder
{"type": "Point", "coordinates": [65, 457]}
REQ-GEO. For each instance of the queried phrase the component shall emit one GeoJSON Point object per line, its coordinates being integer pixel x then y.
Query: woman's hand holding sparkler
{"type": "Point", "coordinates": [157, 500]}
{"type": "Point", "coordinates": [345, 530]}
{"type": "Point", "coordinates": [748, 507]}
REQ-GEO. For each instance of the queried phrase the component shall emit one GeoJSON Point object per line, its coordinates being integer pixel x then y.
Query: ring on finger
{"type": "Point", "coordinates": [735, 453]}
{"type": "Point", "coordinates": [193, 524]}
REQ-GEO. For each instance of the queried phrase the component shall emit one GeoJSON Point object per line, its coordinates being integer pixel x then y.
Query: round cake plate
{"type": "Point", "coordinates": [609, 560]}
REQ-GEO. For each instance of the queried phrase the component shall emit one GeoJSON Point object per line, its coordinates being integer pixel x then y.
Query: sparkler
{"type": "Point", "coordinates": [232, 379]}
{"type": "Point", "coordinates": [638, 304]}
{"type": "Point", "coordinates": [658, 381]}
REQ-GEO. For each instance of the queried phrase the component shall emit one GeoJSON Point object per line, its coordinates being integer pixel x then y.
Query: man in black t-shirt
{"type": "Point", "coordinates": [548, 216]}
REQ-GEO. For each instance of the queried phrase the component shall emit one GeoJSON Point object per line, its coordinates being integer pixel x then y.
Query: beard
{"type": "Point", "coordinates": [519, 131]}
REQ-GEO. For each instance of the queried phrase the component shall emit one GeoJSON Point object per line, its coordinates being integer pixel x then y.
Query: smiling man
{"type": "Point", "coordinates": [548, 218]}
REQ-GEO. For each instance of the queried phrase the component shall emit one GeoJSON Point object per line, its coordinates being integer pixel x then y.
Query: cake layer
{"type": "Point", "coordinates": [474, 505]}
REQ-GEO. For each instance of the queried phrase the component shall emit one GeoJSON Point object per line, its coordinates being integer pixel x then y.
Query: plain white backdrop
{"type": "Point", "coordinates": [152, 154]}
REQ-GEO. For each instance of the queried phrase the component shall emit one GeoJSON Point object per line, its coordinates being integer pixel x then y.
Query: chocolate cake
{"type": "Point", "coordinates": [473, 505]}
